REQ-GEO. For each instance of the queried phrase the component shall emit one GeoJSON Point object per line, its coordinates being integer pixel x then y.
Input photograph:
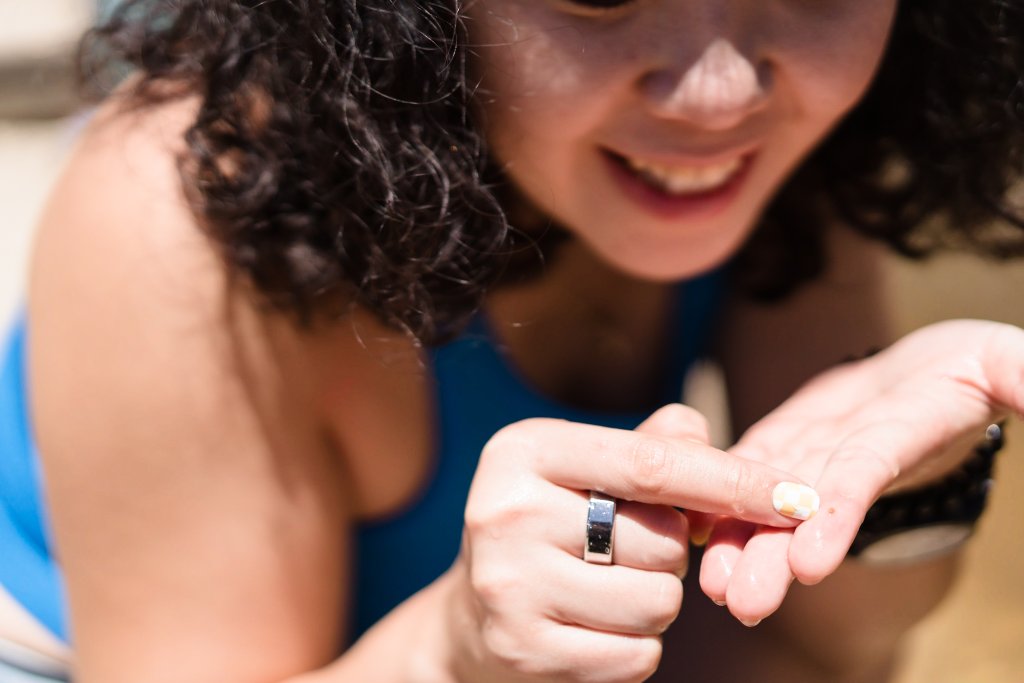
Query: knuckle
{"type": "Point", "coordinates": [474, 519]}
{"type": "Point", "coordinates": [506, 648]}
{"type": "Point", "coordinates": [494, 519]}
{"type": "Point", "coordinates": [646, 658]}
{"type": "Point", "coordinates": [847, 492]}
{"type": "Point", "coordinates": [667, 551]}
{"type": "Point", "coordinates": [492, 584]}
{"type": "Point", "coordinates": [515, 438]}
{"type": "Point", "coordinates": [651, 467]}
{"type": "Point", "coordinates": [668, 602]}
{"type": "Point", "coordinates": [682, 418]}
{"type": "Point", "coordinates": [742, 488]}
{"type": "Point", "coordinates": [509, 441]}
{"type": "Point", "coordinates": [519, 446]}
{"type": "Point", "coordinates": [675, 534]}
{"type": "Point", "coordinates": [678, 555]}
{"type": "Point", "coordinates": [482, 520]}
{"type": "Point", "coordinates": [871, 465]}
{"type": "Point", "coordinates": [516, 649]}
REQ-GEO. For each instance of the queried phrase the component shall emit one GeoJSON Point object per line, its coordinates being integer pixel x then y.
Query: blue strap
{"type": "Point", "coordinates": [27, 569]}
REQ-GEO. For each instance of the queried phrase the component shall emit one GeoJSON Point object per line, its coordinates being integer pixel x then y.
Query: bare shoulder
{"type": "Point", "coordinates": [129, 300]}
{"type": "Point", "coordinates": [117, 228]}
{"type": "Point", "coordinates": [200, 507]}
{"type": "Point", "coordinates": [121, 236]}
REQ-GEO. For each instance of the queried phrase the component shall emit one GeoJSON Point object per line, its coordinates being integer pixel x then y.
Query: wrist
{"type": "Point", "coordinates": [464, 656]}
{"type": "Point", "coordinates": [409, 645]}
{"type": "Point", "coordinates": [433, 647]}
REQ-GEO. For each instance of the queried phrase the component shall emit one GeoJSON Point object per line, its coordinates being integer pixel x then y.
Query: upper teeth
{"type": "Point", "coordinates": [682, 180]}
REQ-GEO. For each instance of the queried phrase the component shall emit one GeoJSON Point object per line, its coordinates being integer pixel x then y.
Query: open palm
{"type": "Point", "coordinates": [895, 420]}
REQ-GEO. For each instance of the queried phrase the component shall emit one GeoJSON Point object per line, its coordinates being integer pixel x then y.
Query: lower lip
{"type": "Point", "coordinates": [675, 207]}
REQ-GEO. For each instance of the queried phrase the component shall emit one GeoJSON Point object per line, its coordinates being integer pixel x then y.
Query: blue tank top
{"type": "Point", "coordinates": [27, 568]}
{"type": "Point", "coordinates": [477, 392]}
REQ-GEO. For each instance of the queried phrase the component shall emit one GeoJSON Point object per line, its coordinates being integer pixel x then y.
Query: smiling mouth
{"type": "Point", "coordinates": [682, 181]}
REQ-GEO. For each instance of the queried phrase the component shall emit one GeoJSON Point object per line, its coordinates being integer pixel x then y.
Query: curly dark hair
{"type": "Point", "coordinates": [334, 157]}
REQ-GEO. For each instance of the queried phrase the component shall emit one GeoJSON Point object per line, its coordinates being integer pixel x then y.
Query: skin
{"type": "Point", "coordinates": [682, 83]}
{"type": "Point", "coordinates": [206, 462]}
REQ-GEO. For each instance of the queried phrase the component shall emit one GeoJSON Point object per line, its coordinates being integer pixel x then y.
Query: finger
{"type": "Point", "coordinates": [856, 474]}
{"type": "Point", "coordinates": [682, 422]}
{"type": "Point", "coordinates": [850, 487]}
{"type": "Point", "coordinates": [1004, 367]}
{"type": "Point", "coordinates": [649, 537]}
{"type": "Point", "coordinates": [900, 430]}
{"type": "Point", "coordinates": [677, 421]}
{"type": "Point", "coordinates": [761, 576]}
{"type": "Point", "coordinates": [612, 597]}
{"type": "Point", "coordinates": [577, 653]}
{"type": "Point", "coordinates": [984, 356]}
{"type": "Point", "coordinates": [720, 557]}
{"type": "Point", "coordinates": [652, 469]}
{"type": "Point", "coordinates": [701, 526]}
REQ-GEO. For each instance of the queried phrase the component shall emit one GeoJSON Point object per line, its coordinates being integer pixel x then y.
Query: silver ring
{"type": "Point", "coordinates": [600, 529]}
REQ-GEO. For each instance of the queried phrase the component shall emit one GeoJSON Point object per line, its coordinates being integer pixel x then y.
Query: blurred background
{"type": "Point", "coordinates": [976, 636]}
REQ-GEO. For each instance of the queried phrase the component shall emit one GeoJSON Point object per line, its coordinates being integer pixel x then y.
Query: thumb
{"type": "Point", "coordinates": [678, 422]}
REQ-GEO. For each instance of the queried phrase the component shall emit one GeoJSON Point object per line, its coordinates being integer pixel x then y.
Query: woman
{"type": "Point", "coordinates": [517, 209]}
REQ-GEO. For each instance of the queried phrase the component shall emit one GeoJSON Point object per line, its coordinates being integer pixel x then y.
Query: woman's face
{"type": "Point", "coordinates": [658, 130]}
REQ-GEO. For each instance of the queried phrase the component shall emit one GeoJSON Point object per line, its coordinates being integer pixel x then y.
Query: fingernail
{"type": "Point", "coordinates": [700, 537]}
{"type": "Point", "coordinates": [750, 624]}
{"type": "Point", "coordinates": [720, 603]}
{"type": "Point", "coordinates": [681, 573]}
{"type": "Point", "coordinates": [795, 500]}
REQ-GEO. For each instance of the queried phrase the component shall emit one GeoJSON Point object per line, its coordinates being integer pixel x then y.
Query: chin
{"type": "Point", "coordinates": [668, 261]}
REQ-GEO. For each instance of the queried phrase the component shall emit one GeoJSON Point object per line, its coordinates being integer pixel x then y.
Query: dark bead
{"type": "Point", "coordinates": [953, 505]}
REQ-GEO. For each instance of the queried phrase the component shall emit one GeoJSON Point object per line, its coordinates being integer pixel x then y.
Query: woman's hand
{"type": "Point", "coordinates": [526, 606]}
{"type": "Point", "coordinates": [896, 420]}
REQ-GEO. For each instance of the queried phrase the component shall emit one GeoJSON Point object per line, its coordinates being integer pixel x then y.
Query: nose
{"type": "Point", "coordinates": [717, 92]}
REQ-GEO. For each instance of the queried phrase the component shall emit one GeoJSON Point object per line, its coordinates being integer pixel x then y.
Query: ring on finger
{"type": "Point", "coordinates": [600, 529]}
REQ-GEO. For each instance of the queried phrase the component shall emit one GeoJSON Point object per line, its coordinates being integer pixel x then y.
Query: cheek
{"type": "Point", "coordinates": [832, 60]}
{"type": "Point", "coordinates": [518, 58]}
{"type": "Point", "coordinates": [529, 89]}
{"type": "Point", "coordinates": [538, 79]}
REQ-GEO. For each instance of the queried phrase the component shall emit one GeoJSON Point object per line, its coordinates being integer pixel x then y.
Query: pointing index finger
{"type": "Point", "coordinates": [662, 470]}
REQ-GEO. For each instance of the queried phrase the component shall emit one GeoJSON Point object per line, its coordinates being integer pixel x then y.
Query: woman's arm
{"type": "Point", "coordinates": [201, 527]}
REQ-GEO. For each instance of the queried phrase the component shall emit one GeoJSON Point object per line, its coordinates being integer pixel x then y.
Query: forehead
{"type": "Point", "coordinates": [826, 31]}
{"type": "Point", "coordinates": [687, 18]}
